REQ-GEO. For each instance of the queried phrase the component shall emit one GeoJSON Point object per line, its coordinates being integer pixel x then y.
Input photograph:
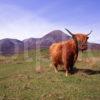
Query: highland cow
{"type": "Point", "coordinates": [65, 53]}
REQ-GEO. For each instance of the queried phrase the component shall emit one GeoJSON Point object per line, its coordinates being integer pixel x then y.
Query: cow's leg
{"type": "Point", "coordinates": [67, 69]}
{"type": "Point", "coordinates": [55, 68]}
{"type": "Point", "coordinates": [66, 65]}
{"type": "Point", "coordinates": [71, 68]}
{"type": "Point", "coordinates": [66, 73]}
{"type": "Point", "coordinates": [73, 63]}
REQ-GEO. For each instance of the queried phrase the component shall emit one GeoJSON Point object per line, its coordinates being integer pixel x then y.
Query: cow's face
{"type": "Point", "coordinates": [81, 40]}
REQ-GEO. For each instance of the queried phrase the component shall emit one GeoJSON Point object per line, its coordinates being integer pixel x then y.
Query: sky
{"type": "Point", "coordinates": [21, 19]}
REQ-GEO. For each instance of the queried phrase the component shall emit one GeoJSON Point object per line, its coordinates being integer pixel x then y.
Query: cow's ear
{"type": "Point", "coordinates": [87, 37]}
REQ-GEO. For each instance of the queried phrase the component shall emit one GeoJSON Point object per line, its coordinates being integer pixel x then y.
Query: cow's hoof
{"type": "Point", "coordinates": [66, 74]}
{"type": "Point", "coordinates": [56, 71]}
{"type": "Point", "coordinates": [50, 65]}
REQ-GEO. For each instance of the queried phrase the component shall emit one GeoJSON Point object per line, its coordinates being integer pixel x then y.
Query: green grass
{"type": "Point", "coordinates": [19, 79]}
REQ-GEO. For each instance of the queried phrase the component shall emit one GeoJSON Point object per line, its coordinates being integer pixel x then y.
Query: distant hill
{"type": "Point", "coordinates": [93, 46]}
{"type": "Point", "coordinates": [29, 43]}
{"type": "Point", "coordinates": [12, 46]}
{"type": "Point", "coordinates": [45, 41]}
{"type": "Point", "coordinates": [52, 37]}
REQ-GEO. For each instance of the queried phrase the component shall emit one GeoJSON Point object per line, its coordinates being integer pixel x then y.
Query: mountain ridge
{"type": "Point", "coordinates": [10, 46]}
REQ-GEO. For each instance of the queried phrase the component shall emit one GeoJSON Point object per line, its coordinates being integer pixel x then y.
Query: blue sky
{"type": "Point", "coordinates": [34, 18]}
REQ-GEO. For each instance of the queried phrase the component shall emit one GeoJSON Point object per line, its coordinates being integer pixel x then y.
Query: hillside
{"type": "Point", "coordinates": [94, 46]}
{"type": "Point", "coordinates": [45, 41]}
{"type": "Point", "coordinates": [11, 46]}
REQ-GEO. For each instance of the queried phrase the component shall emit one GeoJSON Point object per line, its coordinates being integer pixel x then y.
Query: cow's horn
{"type": "Point", "coordinates": [69, 32]}
{"type": "Point", "coordinates": [89, 33]}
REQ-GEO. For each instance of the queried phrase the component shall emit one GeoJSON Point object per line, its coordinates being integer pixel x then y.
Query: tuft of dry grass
{"type": "Point", "coordinates": [39, 69]}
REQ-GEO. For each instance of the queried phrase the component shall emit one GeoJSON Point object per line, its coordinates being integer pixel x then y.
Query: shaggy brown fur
{"type": "Point", "coordinates": [66, 52]}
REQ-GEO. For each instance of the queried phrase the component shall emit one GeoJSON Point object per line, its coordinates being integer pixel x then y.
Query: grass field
{"type": "Point", "coordinates": [29, 76]}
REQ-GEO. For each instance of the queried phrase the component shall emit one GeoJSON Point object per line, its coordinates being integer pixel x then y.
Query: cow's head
{"type": "Point", "coordinates": [81, 39]}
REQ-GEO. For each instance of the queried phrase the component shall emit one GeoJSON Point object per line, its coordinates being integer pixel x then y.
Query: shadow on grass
{"type": "Point", "coordinates": [85, 71]}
